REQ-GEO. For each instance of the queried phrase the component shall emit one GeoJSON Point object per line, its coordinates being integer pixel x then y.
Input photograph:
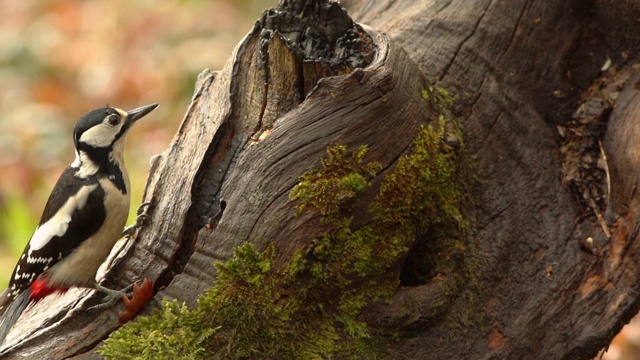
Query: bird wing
{"type": "Point", "coordinates": [75, 210]}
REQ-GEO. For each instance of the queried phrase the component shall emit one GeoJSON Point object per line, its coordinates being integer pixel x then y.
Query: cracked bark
{"type": "Point", "coordinates": [555, 285]}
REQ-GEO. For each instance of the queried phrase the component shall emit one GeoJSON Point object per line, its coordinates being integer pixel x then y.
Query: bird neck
{"type": "Point", "coordinates": [102, 163]}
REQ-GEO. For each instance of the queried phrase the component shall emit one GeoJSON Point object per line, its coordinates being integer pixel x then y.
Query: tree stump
{"type": "Point", "coordinates": [549, 129]}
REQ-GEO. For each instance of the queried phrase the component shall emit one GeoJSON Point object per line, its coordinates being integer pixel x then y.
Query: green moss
{"type": "Point", "coordinates": [439, 97]}
{"type": "Point", "coordinates": [174, 332]}
{"type": "Point", "coordinates": [342, 175]}
{"type": "Point", "coordinates": [310, 307]}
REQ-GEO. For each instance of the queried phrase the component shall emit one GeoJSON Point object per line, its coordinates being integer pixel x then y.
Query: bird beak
{"type": "Point", "coordinates": [137, 114]}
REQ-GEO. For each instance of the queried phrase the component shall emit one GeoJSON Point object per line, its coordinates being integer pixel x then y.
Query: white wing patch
{"type": "Point", "coordinates": [101, 135]}
{"type": "Point", "coordinates": [59, 223]}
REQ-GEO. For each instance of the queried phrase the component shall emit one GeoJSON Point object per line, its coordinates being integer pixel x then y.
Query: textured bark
{"type": "Point", "coordinates": [556, 286]}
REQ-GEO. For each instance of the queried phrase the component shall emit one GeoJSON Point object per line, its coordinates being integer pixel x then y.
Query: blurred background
{"type": "Point", "coordinates": [62, 58]}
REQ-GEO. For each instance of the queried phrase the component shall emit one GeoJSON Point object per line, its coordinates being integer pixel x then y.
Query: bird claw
{"type": "Point", "coordinates": [113, 296]}
{"type": "Point", "coordinates": [141, 219]}
{"type": "Point", "coordinates": [142, 209]}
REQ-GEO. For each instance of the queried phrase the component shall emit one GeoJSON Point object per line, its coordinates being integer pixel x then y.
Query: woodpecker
{"type": "Point", "coordinates": [82, 220]}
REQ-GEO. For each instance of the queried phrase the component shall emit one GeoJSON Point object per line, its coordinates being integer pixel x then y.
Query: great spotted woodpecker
{"type": "Point", "coordinates": [83, 218]}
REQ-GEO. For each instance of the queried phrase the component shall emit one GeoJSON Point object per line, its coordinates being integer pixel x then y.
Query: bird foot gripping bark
{"type": "Point", "coordinates": [142, 218]}
{"type": "Point", "coordinates": [113, 296]}
{"type": "Point", "coordinates": [135, 298]}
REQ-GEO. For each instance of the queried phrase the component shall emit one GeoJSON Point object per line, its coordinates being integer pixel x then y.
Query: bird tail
{"type": "Point", "coordinates": [10, 310]}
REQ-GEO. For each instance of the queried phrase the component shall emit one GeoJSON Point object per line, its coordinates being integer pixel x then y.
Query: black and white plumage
{"type": "Point", "coordinates": [83, 218]}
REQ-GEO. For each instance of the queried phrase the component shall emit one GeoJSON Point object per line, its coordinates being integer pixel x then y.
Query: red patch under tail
{"type": "Point", "coordinates": [40, 288]}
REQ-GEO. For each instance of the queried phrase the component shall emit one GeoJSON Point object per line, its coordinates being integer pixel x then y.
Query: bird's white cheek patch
{"type": "Point", "coordinates": [101, 135]}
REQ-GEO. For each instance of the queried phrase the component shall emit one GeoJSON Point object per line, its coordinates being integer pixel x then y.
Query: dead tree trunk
{"type": "Point", "coordinates": [550, 130]}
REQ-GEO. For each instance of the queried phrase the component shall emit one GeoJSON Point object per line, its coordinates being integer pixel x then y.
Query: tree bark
{"type": "Point", "coordinates": [552, 136]}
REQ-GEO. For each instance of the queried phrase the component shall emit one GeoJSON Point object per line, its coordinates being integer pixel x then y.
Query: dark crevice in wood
{"type": "Point", "coordinates": [414, 271]}
{"type": "Point", "coordinates": [300, 91]}
{"type": "Point", "coordinates": [489, 129]}
{"type": "Point", "coordinates": [445, 71]}
{"type": "Point", "coordinates": [263, 63]}
{"type": "Point", "coordinates": [208, 182]}
{"type": "Point", "coordinates": [207, 207]}
{"type": "Point", "coordinates": [525, 7]}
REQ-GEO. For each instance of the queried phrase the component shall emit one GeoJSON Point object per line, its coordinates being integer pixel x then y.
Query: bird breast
{"type": "Point", "coordinates": [79, 268]}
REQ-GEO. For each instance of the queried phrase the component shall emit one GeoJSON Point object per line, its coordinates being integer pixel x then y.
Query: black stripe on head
{"type": "Point", "coordinates": [89, 120]}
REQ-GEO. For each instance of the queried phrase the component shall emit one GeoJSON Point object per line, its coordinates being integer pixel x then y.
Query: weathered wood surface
{"type": "Point", "coordinates": [521, 68]}
{"type": "Point", "coordinates": [524, 66]}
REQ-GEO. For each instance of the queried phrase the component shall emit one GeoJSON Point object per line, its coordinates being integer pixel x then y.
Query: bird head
{"type": "Point", "coordinates": [100, 134]}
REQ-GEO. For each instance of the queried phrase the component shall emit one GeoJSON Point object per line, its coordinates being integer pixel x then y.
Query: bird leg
{"type": "Point", "coordinates": [113, 296]}
{"type": "Point", "coordinates": [142, 217]}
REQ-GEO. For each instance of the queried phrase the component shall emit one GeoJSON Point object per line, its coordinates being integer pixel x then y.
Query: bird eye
{"type": "Point", "coordinates": [113, 120]}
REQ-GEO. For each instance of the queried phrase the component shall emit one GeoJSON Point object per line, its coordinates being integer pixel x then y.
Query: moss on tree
{"type": "Point", "coordinates": [310, 308]}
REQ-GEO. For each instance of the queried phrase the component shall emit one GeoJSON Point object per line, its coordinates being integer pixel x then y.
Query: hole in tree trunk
{"type": "Point", "coordinates": [418, 266]}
